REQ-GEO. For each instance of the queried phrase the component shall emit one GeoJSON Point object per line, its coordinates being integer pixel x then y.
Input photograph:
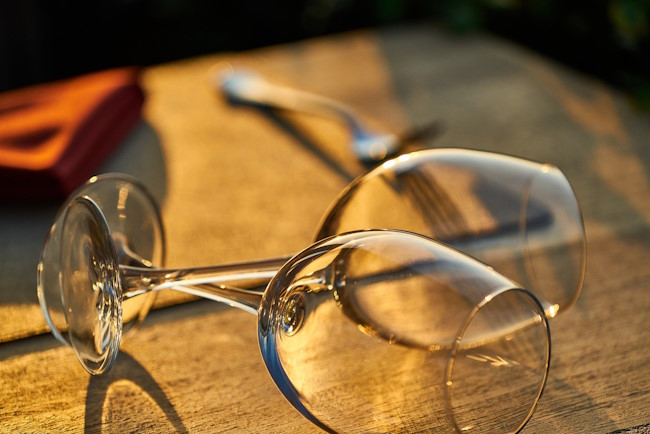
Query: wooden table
{"type": "Point", "coordinates": [236, 184]}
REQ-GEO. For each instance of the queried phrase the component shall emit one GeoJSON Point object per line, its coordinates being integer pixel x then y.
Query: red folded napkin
{"type": "Point", "coordinates": [54, 136]}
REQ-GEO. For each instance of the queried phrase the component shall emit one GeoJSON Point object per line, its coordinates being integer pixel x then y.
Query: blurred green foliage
{"type": "Point", "coordinates": [606, 38]}
{"type": "Point", "coordinates": [41, 40]}
{"type": "Point", "coordinates": [609, 39]}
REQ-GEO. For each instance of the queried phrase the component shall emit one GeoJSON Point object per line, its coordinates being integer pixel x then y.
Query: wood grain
{"type": "Point", "coordinates": [238, 184]}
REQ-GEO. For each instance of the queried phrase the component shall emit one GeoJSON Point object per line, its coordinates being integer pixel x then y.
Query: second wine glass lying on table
{"type": "Point", "coordinates": [520, 217]}
{"type": "Point", "coordinates": [430, 338]}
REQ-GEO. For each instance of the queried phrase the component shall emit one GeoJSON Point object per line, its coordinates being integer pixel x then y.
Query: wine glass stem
{"type": "Point", "coordinates": [238, 285]}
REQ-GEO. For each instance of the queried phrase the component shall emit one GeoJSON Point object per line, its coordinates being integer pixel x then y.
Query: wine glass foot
{"type": "Point", "coordinates": [132, 217]}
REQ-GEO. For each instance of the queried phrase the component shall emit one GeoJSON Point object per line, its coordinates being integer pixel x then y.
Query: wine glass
{"type": "Point", "coordinates": [367, 331]}
{"type": "Point", "coordinates": [518, 216]}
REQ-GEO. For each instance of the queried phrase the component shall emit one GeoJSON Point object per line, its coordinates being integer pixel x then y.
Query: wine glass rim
{"type": "Point", "coordinates": [577, 223]}
{"type": "Point", "coordinates": [537, 306]}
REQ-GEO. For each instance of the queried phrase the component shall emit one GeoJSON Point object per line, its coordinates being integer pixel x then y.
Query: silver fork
{"type": "Point", "coordinates": [248, 87]}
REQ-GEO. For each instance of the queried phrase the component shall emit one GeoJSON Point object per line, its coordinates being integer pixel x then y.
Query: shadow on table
{"type": "Point", "coordinates": [131, 374]}
{"type": "Point", "coordinates": [128, 373]}
{"type": "Point", "coordinates": [23, 227]}
{"type": "Point", "coordinates": [301, 137]}
{"type": "Point", "coordinates": [566, 399]}
{"type": "Point", "coordinates": [333, 162]}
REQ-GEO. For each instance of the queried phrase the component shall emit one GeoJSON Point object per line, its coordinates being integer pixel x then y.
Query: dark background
{"type": "Point", "coordinates": [43, 40]}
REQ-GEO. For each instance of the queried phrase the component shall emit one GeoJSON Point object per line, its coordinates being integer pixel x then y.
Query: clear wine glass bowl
{"type": "Point", "coordinates": [520, 217]}
{"type": "Point", "coordinates": [384, 331]}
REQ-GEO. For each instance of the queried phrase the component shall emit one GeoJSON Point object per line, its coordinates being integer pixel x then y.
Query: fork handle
{"type": "Point", "coordinates": [247, 87]}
